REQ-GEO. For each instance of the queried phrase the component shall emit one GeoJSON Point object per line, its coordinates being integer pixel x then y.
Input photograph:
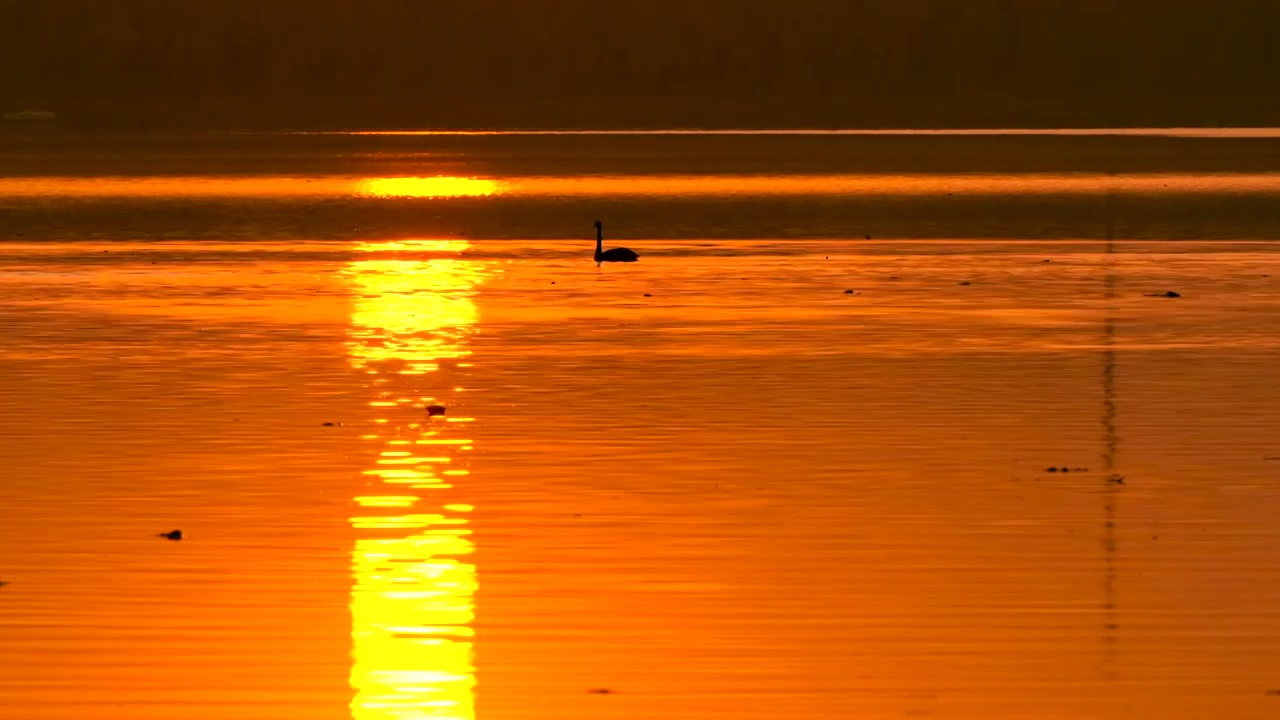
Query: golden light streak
{"type": "Point", "coordinates": [444, 188]}
{"type": "Point", "coordinates": [429, 187]}
{"type": "Point", "coordinates": [412, 600]}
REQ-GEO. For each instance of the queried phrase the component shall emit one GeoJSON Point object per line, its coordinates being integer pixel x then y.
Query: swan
{"type": "Point", "coordinates": [612, 254]}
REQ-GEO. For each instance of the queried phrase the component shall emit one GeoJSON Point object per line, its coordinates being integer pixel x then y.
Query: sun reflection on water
{"type": "Point", "coordinates": [412, 600]}
{"type": "Point", "coordinates": [429, 187]}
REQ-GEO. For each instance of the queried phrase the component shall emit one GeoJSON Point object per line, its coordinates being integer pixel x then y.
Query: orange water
{"type": "Point", "coordinates": [748, 495]}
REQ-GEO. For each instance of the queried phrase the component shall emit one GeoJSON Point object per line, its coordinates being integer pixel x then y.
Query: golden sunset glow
{"type": "Point", "coordinates": [412, 601]}
{"type": "Point", "coordinates": [429, 187]}
{"type": "Point", "coordinates": [694, 185]}
{"type": "Point", "coordinates": [640, 360]}
{"type": "Point", "coordinates": [882, 184]}
{"type": "Point", "coordinates": [250, 186]}
{"type": "Point", "coordinates": [410, 314]}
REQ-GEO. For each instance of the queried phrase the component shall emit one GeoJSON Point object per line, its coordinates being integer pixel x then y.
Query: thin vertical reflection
{"type": "Point", "coordinates": [1111, 440]}
{"type": "Point", "coordinates": [412, 598]}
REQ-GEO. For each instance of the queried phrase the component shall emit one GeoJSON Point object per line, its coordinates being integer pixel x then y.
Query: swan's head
{"type": "Point", "coordinates": [598, 225]}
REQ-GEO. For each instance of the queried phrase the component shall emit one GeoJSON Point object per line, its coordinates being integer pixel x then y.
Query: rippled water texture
{"type": "Point", "coordinates": [792, 477]}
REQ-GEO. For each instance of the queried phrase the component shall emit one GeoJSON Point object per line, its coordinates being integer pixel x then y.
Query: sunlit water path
{"type": "Point", "coordinates": [878, 427]}
{"type": "Point", "coordinates": [748, 494]}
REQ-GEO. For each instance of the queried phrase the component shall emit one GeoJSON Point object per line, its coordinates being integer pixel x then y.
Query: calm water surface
{"type": "Point", "coordinates": [711, 483]}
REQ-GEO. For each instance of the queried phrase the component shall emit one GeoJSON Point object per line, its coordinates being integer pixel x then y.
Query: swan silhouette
{"type": "Point", "coordinates": [618, 254]}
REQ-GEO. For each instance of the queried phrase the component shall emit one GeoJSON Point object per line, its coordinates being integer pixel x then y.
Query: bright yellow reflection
{"type": "Point", "coordinates": [429, 187]}
{"type": "Point", "coordinates": [410, 314]}
{"type": "Point", "coordinates": [252, 186]}
{"type": "Point", "coordinates": [330, 186]}
{"type": "Point", "coordinates": [412, 600]}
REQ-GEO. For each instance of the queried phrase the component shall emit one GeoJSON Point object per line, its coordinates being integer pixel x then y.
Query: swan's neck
{"type": "Point", "coordinates": [599, 242]}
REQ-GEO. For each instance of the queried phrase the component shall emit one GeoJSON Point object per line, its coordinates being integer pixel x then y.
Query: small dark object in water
{"type": "Point", "coordinates": [1170, 294]}
{"type": "Point", "coordinates": [553, 282]}
{"type": "Point", "coordinates": [1046, 260]}
{"type": "Point", "coordinates": [434, 410]}
{"type": "Point", "coordinates": [1052, 469]}
{"type": "Point", "coordinates": [599, 691]}
{"type": "Point", "coordinates": [3, 583]}
{"type": "Point", "coordinates": [848, 292]}
{"type": "Point", "coordinates": [647, 295]}
{"type": "Point", "coordinates": [171, 535]}
{"type": "Point", "coordinates": [966, 282]}
{"type": "Point", "coordinates": [1273, 693]}
{"type": "Point", "coordinates": [331, 424]}
{"type": "Point", "coordinates": [1116, 479]}
{"type": "Point", "coordinates": [893, 277]}
{"type": "Point", "coordinates": [1079, 469]}
{"type": "Point", "coordinates": [868, 237]}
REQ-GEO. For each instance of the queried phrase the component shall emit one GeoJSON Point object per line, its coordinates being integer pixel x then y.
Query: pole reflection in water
{"type": "Point", "coordinates": [1111, 441]}
{"type": "Point", "coordinates": [412, 600]}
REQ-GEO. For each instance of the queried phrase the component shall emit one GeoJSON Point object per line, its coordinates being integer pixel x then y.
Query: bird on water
{"type": "Point", "coordinates": [618, 254]}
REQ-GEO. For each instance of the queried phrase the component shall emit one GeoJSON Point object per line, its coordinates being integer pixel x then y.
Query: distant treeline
{"type": "Point", "coordinates": [920, 62]}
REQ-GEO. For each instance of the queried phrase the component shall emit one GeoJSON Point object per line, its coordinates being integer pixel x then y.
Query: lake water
{"type": "Point", "coordinates": [712, 484]}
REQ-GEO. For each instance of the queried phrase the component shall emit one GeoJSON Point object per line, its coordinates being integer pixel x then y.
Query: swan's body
{"type": "Point", "coordinates": [612, 254]}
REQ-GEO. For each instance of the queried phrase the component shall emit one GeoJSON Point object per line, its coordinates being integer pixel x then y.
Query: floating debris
{"type": "Point", "coordinates": [171, 535]}
{"type": "Point", "coordinates": [647, 295]}
{"type": "Point", "coordinates": [599, 691]}
{"type": "Point", "coordinates": [1170, 294]}
{"type": "Point", "coordinates": [1116, 479]}
{"type": "Point", "coordinates": [331, 424]}
{"type": "Point", "coordinates": [966, 282]}
{"type": "Point", "coordinates": [848, 292]}
{"type": "Point", "coordinates": [1052, 469]}
{"type": "Point", "coordinates": [433, 410]}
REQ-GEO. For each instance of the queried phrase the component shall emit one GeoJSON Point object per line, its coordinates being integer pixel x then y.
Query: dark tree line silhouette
{"type": "Point", "coordinates": [1199, 61]}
